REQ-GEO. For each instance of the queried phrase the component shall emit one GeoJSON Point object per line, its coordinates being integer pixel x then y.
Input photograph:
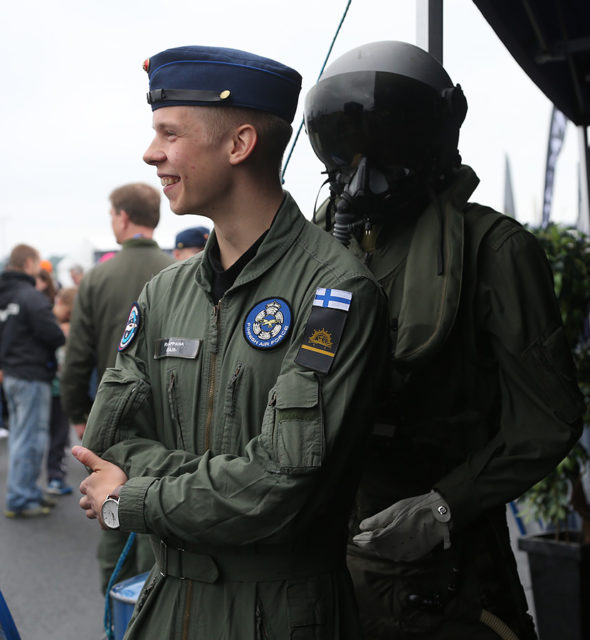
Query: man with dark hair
{"type": "Point", "coordinates": [29, 336]}
{"type": "Point", "coordinates": [245, 381]}
{"type": "Point", "coordinates": [104, 297]}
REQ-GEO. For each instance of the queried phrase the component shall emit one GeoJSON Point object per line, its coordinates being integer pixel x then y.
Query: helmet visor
{"type": "Point", "coordinates": [391, 120]}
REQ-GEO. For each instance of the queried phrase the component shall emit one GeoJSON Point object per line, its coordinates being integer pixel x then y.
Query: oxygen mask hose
{"type": "Point", "coordinates": [344, 220]}
{"type": "Point", "coordinates": [498, 626]}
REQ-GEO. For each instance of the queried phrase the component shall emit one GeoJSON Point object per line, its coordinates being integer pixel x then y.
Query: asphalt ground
{"type": "Point", "coordinates": [48, 569]}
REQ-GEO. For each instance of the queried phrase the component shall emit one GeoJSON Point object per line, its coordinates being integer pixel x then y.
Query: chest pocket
{"type": "Point", "coordinates": [293, 424]}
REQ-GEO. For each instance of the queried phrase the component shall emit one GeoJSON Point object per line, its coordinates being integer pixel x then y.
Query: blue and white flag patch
{"type": "Point", "coordinates": [332, 299]}
{"type": "Point", "coordinates": [324, 329]}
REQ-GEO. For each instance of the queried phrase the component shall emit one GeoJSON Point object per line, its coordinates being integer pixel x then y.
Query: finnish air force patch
{"type": "Point", "coordinates": [324, 329]}
{"type": "Point", "coordinates": [268, 323]}
{"type": "Point", "coordinates": [131, 328]}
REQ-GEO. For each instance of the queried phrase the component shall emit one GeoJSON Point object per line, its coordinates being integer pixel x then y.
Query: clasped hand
{"type": "Point", "coordinates": [103, 480]}
{"type": "Point", "coordinates": [407, 530]}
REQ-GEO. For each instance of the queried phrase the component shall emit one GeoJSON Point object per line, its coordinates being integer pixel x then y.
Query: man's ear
{"type": "Point", "coordinates": [124, 217]}
{"type": "Point", "coordinates": [243, 142]}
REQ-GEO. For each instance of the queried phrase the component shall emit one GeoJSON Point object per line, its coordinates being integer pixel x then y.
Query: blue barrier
{"type": "Point", "coordinates": [7, 627]}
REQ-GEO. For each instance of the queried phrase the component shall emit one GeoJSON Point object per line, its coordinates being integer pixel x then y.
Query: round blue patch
{"type": "Point", "coordinates": [268, 323]}
{"type": "Point", "coordinates": [131, 328]}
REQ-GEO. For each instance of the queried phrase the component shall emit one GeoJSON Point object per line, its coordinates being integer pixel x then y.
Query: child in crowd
{"type": "Point", "coordinates": [59, 428]}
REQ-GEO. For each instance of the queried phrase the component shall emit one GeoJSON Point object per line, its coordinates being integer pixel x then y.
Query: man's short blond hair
{"type": "Point", "coordinates": [273, 132]}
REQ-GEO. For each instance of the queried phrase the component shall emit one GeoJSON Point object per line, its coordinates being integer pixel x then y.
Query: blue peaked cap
{"type": "Point", "coordinates": [215, 76]}
{"type": "Point", "coordinates": [193, 237]}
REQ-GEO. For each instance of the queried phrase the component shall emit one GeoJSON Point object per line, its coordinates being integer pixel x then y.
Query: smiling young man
{"type": "Point", "coordinates": [230, 427]}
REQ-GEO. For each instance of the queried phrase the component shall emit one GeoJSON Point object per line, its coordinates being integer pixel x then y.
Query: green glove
{"type": "Point", "coordinates": [407, 530]}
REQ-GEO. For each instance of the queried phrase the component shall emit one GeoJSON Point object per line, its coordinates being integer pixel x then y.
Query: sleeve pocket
{"type": "Point", "coordinates": [120, 397]}
{"type": "Point", "coordinates": [294, 423]}
{"type": "Point", "coordinates": [550, 363]}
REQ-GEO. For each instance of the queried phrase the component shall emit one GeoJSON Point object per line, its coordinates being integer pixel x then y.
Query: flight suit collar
{"type": "Point", "coordinates": [286, 227]}
{"type": "Point", "coordinates": [139, 242]}
{"type": "Point", "coordinates": [432, 288]}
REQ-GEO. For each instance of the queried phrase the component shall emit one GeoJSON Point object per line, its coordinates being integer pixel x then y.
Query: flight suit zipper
{"type": "Point", "coordinates": [261, 623]}
{"type": "Point", "coordinates": [212, 376]}
{"type": "Point", "coordinates": [186, 618]}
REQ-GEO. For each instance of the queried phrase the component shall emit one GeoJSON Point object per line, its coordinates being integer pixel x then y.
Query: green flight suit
{"type": "Point", "coordinates": [483, 403]}
{"type": "Point", "coordinates": [100, 310]}
{"type": "Point", "coordinates": [242, 463]}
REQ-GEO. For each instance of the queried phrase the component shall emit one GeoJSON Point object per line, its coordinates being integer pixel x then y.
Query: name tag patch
{"type": "Point", "coordinates": [324, 329]}
{"type": "Point", "coordinates": [268, 323]}
{"type": "Point", "coordinates": [176, 348]}
{"type": "Point", "coordinates": [131, 328]}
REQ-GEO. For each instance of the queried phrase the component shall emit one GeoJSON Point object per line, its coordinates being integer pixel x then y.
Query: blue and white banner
{"type": "Point", "coordinates": [554, 145]}
{"type": "Point", "coordinates": [332, 299]}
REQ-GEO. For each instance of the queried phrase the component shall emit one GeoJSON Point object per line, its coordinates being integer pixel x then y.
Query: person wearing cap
{"type": "Point", "coordinates": [189, 242]}
{"type": "Point", "coordinates": [230, 426]}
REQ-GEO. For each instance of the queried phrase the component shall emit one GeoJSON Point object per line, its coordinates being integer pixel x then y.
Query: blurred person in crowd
{"type": "Point", "coordinates": [44, 282]}
{"type": "Point", "coordinates": [59, 425]}
{"type": "Point", "coordinates": [3, 414]}
{"type": "Point", "coordinates": [76, 274]}
{"type": "Point", "coordinates": [101, 308]}
{"type": "Point", "coordinates": [29, 336]}
{"type": "Point", "coordinates": [190, 242]}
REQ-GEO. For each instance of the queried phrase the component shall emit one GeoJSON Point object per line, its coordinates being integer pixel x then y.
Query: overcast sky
{"type": "Point", "coordinates": [75, 121]}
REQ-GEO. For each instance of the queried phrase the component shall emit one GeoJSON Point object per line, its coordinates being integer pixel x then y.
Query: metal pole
{"type": "Point", "coordinates": [584, 211]}
{"type": "Point", "coordinates": [429, 27]}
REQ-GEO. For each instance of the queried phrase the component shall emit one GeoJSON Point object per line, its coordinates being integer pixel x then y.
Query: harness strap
{"type": "Point", "coordinates": [259, 564]}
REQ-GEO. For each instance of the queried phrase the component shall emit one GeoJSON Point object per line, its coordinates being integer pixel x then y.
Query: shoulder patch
{"type": "Point", "coordinates": [131, 328]}
{"type": "Point", "coordinates": [324, 329]}
{"type": "Point", "coordinates": [268, 323]}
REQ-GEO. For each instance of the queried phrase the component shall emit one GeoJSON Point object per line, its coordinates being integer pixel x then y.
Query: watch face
{"type": "Point", "coordinates": [110, 513]}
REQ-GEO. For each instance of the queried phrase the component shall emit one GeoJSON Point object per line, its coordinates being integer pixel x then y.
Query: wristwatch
{"type": "Point", "coordinates": [109, 512]}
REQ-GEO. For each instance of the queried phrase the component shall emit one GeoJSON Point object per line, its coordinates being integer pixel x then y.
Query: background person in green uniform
{"type": "Point", "coordinates": [101, 307]}
{"type": "Point", "coordinates": [483, 400]}
{"type": "Point", "coordinates": [230, 427]}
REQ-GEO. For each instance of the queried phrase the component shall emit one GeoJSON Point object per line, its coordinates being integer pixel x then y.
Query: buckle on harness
{"type": "Point", "coordinates": [163, 559]}
{"type": "Point", "coordinates": [177, 552]}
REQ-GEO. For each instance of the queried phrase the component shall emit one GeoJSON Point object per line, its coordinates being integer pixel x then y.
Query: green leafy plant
{"type": "Point", "coordinates": [552, 499]}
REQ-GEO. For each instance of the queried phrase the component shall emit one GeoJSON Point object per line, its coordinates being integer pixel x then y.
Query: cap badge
{"type": "Point", "coordinates": [225, 94]}
{"type": "Point", "coordinates": [146, 65]}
